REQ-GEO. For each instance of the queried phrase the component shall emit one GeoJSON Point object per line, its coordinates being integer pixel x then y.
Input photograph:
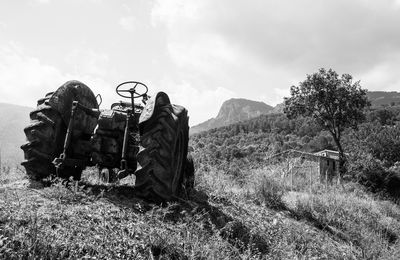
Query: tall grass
{"type": "Point", "coordinates": [257, 214]}
{"type": "Point", "coordinates": [368, 225]}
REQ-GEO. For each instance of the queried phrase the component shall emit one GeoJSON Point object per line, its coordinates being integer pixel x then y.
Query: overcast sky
{"type": "Point", "coordinates": [201, 52]}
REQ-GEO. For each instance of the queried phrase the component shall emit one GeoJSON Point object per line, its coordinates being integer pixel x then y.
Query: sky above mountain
{"type": "Point", "coordinates": [200, 52]}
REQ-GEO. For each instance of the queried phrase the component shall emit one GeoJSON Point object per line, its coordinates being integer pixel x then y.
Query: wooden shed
{"type": "Point", "coordinates": [328, 164]}
{"type": "Point", "coordinates": [324, 164]}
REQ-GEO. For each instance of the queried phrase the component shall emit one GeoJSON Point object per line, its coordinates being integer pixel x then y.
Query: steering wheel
{"type": "Point", "coordinates": [132, 91]}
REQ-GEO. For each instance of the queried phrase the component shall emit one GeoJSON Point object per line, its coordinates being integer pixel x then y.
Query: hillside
{"type": "Point", "coordinates": [13, 119]}
{"type": "Point", "coordinates": [252, 216]}
{"type": "Point", "coordinates": [379, 98]}
{"type": "Point", "coordinates": [232, 111]}
{"type": "Point", "coordinates": [243, 146]}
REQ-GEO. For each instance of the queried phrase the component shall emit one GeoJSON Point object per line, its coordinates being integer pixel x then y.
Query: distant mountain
{"type": "Point", "coordinates": [383, 98]}
{"type": "Point", "coordinates": [238, 109]}
{"type": "Point", "coordinates": [232, 111]}
{"type": "Point", "coordinates": [278, 109]}
{"type": "Point", "coordinates": [13, 119]}
{"type": "Point", "coordinates": [377, 99]}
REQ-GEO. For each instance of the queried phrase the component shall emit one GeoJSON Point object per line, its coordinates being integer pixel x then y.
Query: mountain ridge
{"type": "Point", "coordinates": [377, 98]}
{"type": "Point", "coordinates": [381, 98]}
{"type": "Point", "coordinates": [13, 119]}
{"type": "Point", "coordinates": [232, 111]}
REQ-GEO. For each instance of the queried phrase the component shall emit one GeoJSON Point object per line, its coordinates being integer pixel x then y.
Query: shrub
{"type": "Point", "coordinates": [392, 181]}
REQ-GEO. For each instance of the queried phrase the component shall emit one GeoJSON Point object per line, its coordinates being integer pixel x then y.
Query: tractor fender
{"type": "Point", "coordinates": [73, 90]}
{"type": "Point", "coordinates": [160, 99]}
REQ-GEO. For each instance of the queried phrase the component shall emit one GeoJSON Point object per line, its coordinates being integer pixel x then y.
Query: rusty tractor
{"type": "Point", "coordinates": [68, 132]}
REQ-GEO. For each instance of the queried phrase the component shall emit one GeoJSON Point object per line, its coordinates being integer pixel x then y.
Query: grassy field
{"type": "Point", "coordinates": [252, 216]}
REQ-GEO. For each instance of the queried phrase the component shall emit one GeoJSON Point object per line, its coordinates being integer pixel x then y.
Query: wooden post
{"type": "Point", "coordinates": [291, 180]}
{"type": "Point", "coordinates": [310, 181]}
{"type": "Point", "coordinates": [326, 180]}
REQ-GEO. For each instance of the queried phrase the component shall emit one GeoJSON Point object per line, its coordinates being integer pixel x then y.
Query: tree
{"type": "Point", "coordinates": [334, 102]}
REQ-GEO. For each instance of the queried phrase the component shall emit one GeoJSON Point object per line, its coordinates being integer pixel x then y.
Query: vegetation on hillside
{"type": "Point", "coordinates": [247, 145]}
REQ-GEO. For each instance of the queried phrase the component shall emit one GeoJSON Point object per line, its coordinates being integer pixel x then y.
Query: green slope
{"type": "Point", "coordinates": [13, 119]}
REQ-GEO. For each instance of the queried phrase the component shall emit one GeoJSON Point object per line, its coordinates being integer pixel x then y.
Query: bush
{"type": "Point", "coordinates": [392, 181]}
{"type": "Point", "coordinates": [374, 151]}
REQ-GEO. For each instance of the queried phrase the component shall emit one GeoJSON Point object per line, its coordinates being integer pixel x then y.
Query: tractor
{"type": "Point", "coordinates": [68, 132]}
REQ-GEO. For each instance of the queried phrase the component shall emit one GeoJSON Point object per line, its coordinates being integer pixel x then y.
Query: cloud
{"type": "Point", "coordinates": [201, 103]}
{"type": "Point", "coordinates": [172, 12]}
{"type": "Point", "coordinates": [21, 77]}
{"type": "Point", "coordinates": [350, 35]}
{"type": "Point", "coordinates": [88, 61]}
{"type": "Point", "coordinates": [42, 1]}
{"type": "Point", "coordinates": [2, 25]}
{"type": "Point", "coordinates": [208, 53]}
{"type": "Point", "coordinates": [384, 74]}
{"type": "Point", "coordinates": [208, 60]}
{"type": "Point", "coordinates": [127, 23]}
{"type": "Point", "coordinates": [259, 50]}
{"type": "Point", "coordinates": [25, 79]}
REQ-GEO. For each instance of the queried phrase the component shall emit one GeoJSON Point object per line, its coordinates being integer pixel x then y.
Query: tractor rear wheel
{"type": "Point", "coordinates": [162, 152]}
{"type": "Point", "coordinates": [45, 136]}
{"type": "Point", "coordinates": [46, 133]}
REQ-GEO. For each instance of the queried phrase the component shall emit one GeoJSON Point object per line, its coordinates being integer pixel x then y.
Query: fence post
{"type": "Point", "coordinates": [310, 180]}
{"type": "Point", "coordinates": [291, 180]}
{"type": "Point", "coordinates": [326, 180]}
